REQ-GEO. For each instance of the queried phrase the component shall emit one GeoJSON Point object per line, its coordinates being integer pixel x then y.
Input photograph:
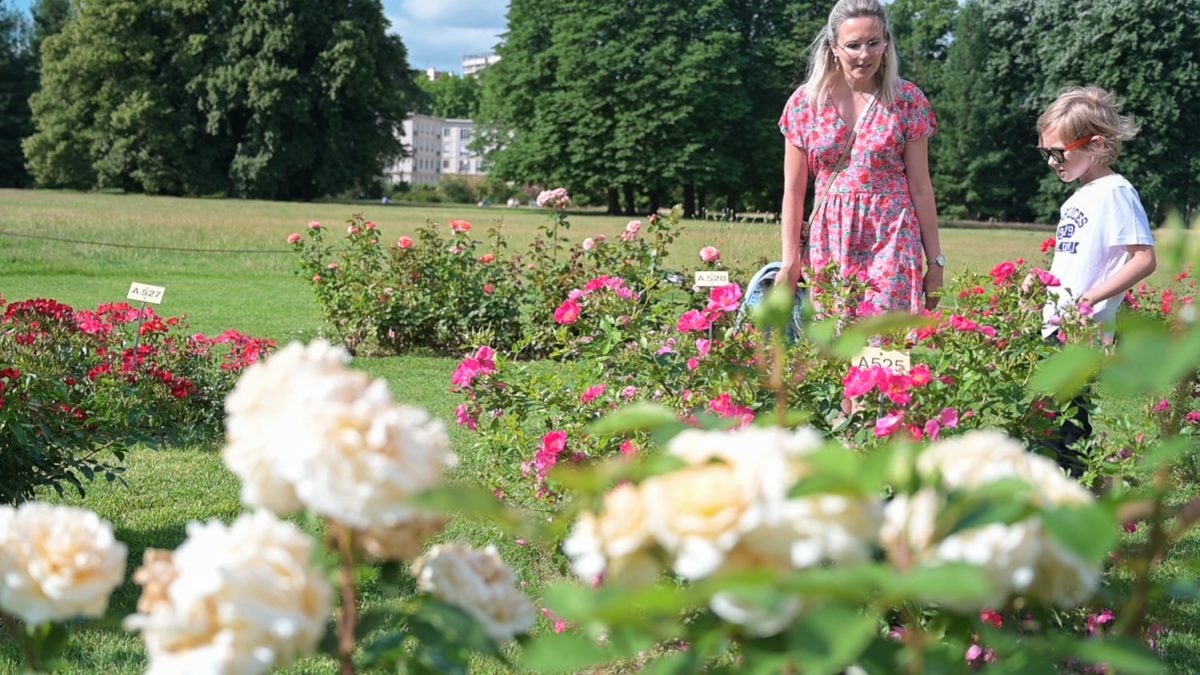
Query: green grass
{"type": "Point", "coordinates": [258, 294]}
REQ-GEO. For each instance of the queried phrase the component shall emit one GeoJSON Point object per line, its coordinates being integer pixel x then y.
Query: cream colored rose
{"type": "Point", "coordinates": [614, 544]}
{"type": "Point", "coordinates": [305, 431]}
{"type": "Point", "coordinates": [1018, 558]}
{"type": "Point", "coordinates": [700, 513]}
{"type": "Point", "coordinates": [239, 599]}
{"type": "Point", "coordinates": [402, 541]}
{"type": "Point", "coordinates": [770, 457]}
{"type": "Point", "coordinates": [57, 562]}
{"type": "Point", "coordinates": [270, 403]}
{"type": "Point", "coordinates": [480, 584]}
{"type": "Point", "coordinates": [369, 459]}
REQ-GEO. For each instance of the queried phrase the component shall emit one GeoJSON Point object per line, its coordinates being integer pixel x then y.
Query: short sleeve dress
{"type": "Point", "coordinates": [868, 220]}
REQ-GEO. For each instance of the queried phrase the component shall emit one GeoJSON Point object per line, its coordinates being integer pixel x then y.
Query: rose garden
{"type": "Point", "coordinates": [578, 460]}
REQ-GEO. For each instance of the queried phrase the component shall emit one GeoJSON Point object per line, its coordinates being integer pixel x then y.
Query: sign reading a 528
{"type": "Point", "coordinates": [709, 278]}
{"type": "Point", "coordinates": [146, 293]}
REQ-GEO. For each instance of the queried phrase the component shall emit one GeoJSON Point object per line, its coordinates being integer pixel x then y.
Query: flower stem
{"type": "Point", "coordinates": [349, 615]}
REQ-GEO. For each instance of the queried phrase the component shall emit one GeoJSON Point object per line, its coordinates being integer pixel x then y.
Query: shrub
{"type": "Point", "coordinates": [78, 387]}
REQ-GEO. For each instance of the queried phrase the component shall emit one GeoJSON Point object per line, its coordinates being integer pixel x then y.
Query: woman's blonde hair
{"type": "Point", "coordinates": [821, 61]}
{"type": "Point", "coordinates": [1089, 111]}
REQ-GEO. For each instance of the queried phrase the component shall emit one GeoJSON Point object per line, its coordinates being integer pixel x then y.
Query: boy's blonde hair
{"type": "Point", "coordinates": [1089, 111]}
{"type": "Point", "coordinates": [821, 66]}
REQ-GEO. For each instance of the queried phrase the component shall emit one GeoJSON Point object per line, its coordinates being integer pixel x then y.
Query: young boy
{"type": "Point", "coordinates": [1104, 245]}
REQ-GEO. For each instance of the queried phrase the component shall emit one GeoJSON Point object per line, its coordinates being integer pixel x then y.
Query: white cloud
{"type": "Point", "coordinates": [438, 33]}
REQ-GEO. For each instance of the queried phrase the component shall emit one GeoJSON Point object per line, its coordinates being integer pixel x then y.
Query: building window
{"type": "Point", "coordinates": [445, 164]}
{"type": "Point", "coordinates": [446, 132]}
{"type": "Point", "coordinates": [465, 135]}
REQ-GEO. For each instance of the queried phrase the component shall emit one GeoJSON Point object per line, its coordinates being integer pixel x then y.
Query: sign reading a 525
{"type": "Point", "coordinates": [146, 293]}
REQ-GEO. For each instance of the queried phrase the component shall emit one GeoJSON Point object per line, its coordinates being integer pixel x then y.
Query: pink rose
{"type": "Point", "coordinates": [693, 320]}
{"type": "Point", "coordinates": [933, 429]}
{"type": "Point", "coordinates": [948, 418]}
{"type": "Point", "coordinates": [462, 414]}
{"type": "Point", "coordinates": [710, 254]}
{"type": "Point", "coordinates": [371, 225]}
{"type": "Point", "coordinates": [460, 226]}
{"type": "Point", "coordinates": [589, 244]}
{"type": "Point", "coordinates": [1046, 278]}
{"type": "Point", "coordinates": [593, 393]}
{"type": "Point", "coordinates": [628, 449]}
{"type": "Point", "coordinates": [488, 289]}
{"type": "Point", "coordinates": [1002, 272]}
{"type": "Point", "coordinates": [294, 238]}
{"type": "Point", "coordinates": [405, 242]}
{"type": "Point", "coordinates": [567, 313]}
{"type": "Point", "coordinates": [631, 391]}
{"type": "Point", "coordinates": [316, 278]}
{"type": "Point", "coordinates": [487, 258]}
{"type": "Point", "coordinates": [920, 375]}
{"type": "Point", "coordinates": [352, 230]}
{"type": "Point", "coordinates": [314, 225]}
{"type": "Point", "coordinates": [859, 382]}
{"type": "Point", "coordinates": [725, 298]}
{"type": "Point", "coordinates": [703, 346]}
{"type": "Point", "coordinates": [693, 363]}
{"type": "Point", "coordinates": [888, 424]}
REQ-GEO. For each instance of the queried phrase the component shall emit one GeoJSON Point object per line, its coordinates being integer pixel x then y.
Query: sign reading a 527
{"type": "Point", "coordinates": [146, 293]}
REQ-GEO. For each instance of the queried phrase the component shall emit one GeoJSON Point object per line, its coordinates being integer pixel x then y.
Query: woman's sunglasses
{"type": "Point", "coordinates": [1059, 155]}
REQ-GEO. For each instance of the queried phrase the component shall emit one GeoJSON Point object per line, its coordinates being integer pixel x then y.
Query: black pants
{"type": "Point", "coordinates": [1071, 431]}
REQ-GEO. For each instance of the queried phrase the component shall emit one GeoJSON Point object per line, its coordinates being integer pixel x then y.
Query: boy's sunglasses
{"type": "Point", "coordinates": [1059, 155]}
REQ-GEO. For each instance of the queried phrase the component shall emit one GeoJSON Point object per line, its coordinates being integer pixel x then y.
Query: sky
{"type": "Point", "coordinates": [437, 33]}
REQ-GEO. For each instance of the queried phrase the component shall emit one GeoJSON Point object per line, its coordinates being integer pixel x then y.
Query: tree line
{"type": "Point", "coordinates": [274, 100]}
{"type": "Point", "coordinates": [642, 102]}
{"type": "Point", "coordinates": [631, 105]}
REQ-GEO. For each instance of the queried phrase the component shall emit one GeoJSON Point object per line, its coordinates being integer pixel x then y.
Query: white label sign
{"type": "Point", "coordinates": [898, 362]}
{"type": "Point", "coordinates": [709, 278]}
{"type": "Point", "coordinates": [146, 293]}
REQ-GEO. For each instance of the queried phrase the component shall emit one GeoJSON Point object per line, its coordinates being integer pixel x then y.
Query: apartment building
{"type": "Point", "coordinates": [437, 147]}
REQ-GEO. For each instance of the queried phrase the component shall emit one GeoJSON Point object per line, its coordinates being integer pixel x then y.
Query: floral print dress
{"type": "Point", "coordinates": [868, 221]}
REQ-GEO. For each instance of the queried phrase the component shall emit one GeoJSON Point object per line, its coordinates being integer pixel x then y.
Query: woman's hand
{"type": "Point", "coordinates": [790, 275]}
{"type": "Point", "coordinates": [934, 279]}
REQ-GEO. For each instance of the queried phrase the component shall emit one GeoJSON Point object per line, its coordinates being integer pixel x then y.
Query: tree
{"type": "Point", "coordinates": [922, 30]}
{"type": "Point", "coordinates": [17, 82]}
{"type": "Point", "coordinates": [984, 164]}
{"type": "Point", "coordinates": [1145, 52]}
{"type": "Point", "coordinates": [638, 101]}
{"type": "Point", "coordinates": [287, 100]}
{"type": "Point", "coordinates": [49, 18]}
{"type": "Point", "coordinates": [448, 96]}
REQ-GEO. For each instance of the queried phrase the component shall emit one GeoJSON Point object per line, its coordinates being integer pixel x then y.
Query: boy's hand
{"type": "Point", "coordinates": [933, 286]}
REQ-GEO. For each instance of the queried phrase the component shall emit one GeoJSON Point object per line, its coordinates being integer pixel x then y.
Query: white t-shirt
{"type": "Point", "coordinates": [1094, 227]}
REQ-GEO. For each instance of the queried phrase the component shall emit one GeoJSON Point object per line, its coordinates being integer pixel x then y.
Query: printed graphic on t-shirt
{"type": "Point", "coordinates": [1072, 221]}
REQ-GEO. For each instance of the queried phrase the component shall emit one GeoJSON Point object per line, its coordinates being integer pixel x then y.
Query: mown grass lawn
{"type": "Point", "coordinates": [257, 293]}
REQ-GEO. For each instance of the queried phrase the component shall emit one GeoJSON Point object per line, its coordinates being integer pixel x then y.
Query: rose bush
{"type": "Point", "coordinates": [445, 292]}
{"type": "Point", "coordinates": [78, 386]}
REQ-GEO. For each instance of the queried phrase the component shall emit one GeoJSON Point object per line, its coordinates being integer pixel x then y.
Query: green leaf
{"type": "Point", "coordinates": [633, 418]}
{"type": "Point", "coordinates": [830, 638]}
{"type": "Point", "coordinates": [1088, 531]}
{"type": "Point", "coordinates": [566, 652]}
{"type": "Point", "coordinates": [774, 313]}
{"type": "Point", "coordinates": [1121, 655]}
{"type": "Point", "coordinates": [1066, 373]}
{"type": "Point", "coordinates": [1166, 453]}
{"type": "Point", "coordinates": [940, 583]}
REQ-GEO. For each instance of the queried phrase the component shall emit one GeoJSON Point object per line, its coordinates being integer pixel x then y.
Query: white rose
{"type": "Point", "coordinates": [370, 458]}
{"type": "Point", "coordinates": [57, 562]}
{"type": "Point", "coordinates": [303, 430]}
{"type": "Point", "coordinates": [269, 402]}
{"type": "Point", "coordinates": [701, 512]}
{"type": "Point", "coordinates": [613, 544]}
{"type": "Point", "coordinates": [1018, 558]}
{"type": "Point", "coordinates": [402, 541]}
{"type": "Point", "coordinates": [480, 584]}
{"type": "Point", "coordinates": [239, 599]}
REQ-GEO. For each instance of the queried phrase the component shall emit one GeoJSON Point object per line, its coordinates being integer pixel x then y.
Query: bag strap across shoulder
{"type": "Point", "coordinates": [841, 163]}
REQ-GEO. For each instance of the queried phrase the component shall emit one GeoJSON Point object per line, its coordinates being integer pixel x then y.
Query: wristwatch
{"type": "Point", "coordinates": [940, 261]}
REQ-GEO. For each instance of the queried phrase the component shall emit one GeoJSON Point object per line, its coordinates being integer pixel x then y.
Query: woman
{"type": "Point", "coordinates": [878, 211]}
